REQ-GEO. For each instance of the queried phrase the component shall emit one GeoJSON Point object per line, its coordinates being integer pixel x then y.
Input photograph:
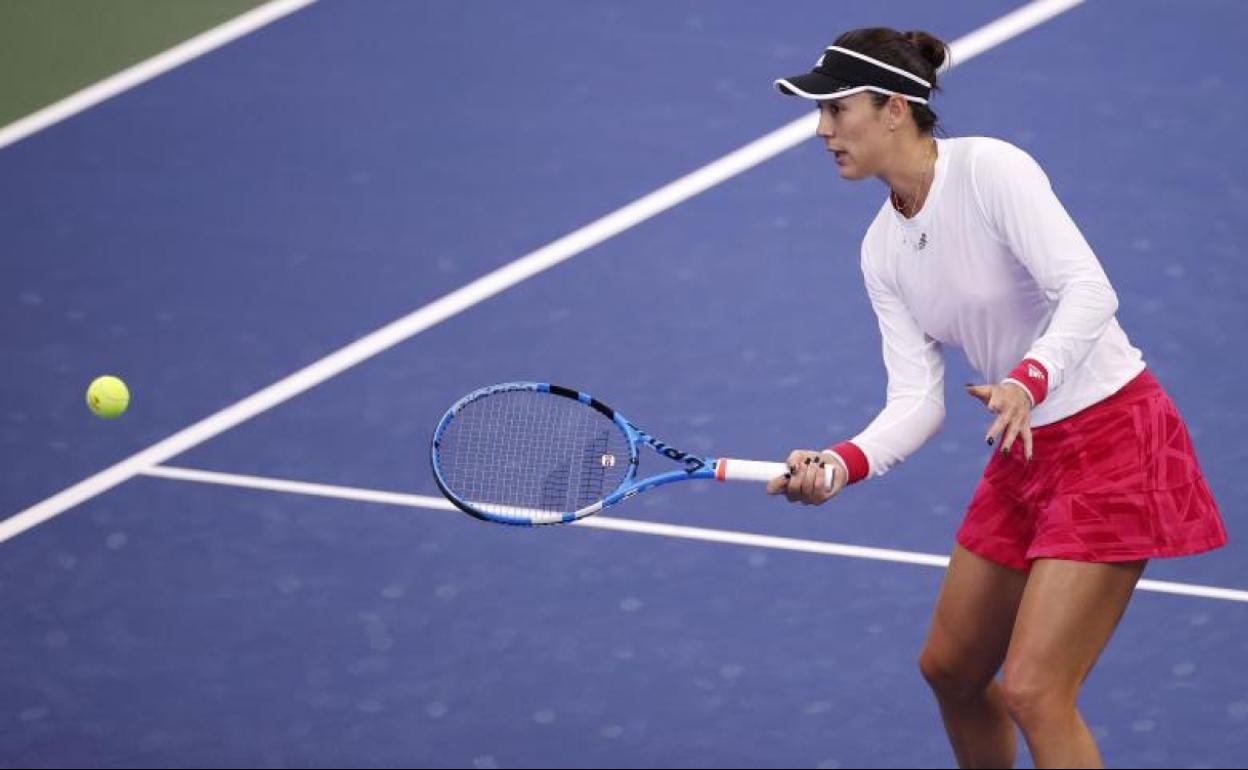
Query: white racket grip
{"type": "Point", "coordinates": [728, 469]}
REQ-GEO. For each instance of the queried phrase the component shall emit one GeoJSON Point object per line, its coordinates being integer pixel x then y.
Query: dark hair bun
{"type": "Point", "coordinates": [930, 47]}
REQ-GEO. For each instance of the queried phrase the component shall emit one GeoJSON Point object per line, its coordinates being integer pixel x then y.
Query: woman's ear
{"type": "Point", "coordinates": [897, 109]}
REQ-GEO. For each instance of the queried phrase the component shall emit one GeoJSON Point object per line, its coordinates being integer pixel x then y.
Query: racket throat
{"type": "Point", "coordinates": [692, 463]}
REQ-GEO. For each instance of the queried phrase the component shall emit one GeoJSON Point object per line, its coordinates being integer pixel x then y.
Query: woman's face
{"type": "Point", "coordinates": [855, 130]}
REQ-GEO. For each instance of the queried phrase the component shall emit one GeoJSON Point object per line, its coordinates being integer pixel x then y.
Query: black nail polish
{"type": "Point", "coordinates": [991, 440]}
{"type": "Point", "coordinates": [807, 461]}
{"type": "Point", "coordinates": [788, 475]}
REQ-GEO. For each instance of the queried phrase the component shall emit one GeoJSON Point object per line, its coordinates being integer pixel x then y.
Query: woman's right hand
{"type": "Point", "coordinates": [805, 482]}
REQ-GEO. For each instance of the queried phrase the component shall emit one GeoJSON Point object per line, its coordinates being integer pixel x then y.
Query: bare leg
{"type": "Point", "coordinates": [969, 636]}
{"type": "Point", "coordinates": [1068, 614]}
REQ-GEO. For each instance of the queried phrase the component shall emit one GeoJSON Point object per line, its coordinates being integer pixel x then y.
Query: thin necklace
{"type": "Point", "coordinates": [919, 191]}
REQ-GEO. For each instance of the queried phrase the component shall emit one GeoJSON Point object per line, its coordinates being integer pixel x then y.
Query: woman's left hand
{"type": "Point", "coordinates": [1012, 406]}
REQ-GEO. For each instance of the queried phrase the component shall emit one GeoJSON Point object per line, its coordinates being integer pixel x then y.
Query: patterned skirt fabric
{"type": "Point", "coordinates": [1118, 481]}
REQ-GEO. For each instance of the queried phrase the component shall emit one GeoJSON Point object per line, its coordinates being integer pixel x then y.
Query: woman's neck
{"type": "Point", "coordinates": [910, 177]}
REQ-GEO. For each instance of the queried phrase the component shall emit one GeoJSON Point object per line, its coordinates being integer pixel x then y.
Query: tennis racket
{"type": "Point", "coordinates": [530, 453]}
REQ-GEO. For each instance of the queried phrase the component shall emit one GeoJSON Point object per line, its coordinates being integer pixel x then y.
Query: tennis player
{"type": "Point", "coordinates": [1092, 471]}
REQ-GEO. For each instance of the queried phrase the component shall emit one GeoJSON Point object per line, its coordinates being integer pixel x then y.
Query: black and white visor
{"type": "Point", "coordinates": [841, 72]}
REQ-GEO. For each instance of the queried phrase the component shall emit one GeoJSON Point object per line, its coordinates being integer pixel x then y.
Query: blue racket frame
{"type": "Point", "coordinates": [695, 467]}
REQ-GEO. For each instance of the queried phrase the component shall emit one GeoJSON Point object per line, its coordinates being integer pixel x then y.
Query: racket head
{"type": "Point", "coordinates": [532, 453]}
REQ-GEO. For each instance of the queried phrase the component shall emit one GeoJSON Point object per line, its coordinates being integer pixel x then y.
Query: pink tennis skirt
{"type": "Point", "coordinates": [1118, 481]}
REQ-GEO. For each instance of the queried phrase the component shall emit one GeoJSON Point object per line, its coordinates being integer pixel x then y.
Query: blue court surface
{"type": "Point", "coordinates": [245, 215]}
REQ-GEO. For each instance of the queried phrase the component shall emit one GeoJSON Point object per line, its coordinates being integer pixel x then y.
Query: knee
{"type": "Point", "coordinates": [1034, 697]}
{"type": "Point", "coordinates": [951, 678]}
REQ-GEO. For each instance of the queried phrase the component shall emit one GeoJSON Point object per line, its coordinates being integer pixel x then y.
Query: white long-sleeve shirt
{"type": "Point", "coordinates": [994, 265]}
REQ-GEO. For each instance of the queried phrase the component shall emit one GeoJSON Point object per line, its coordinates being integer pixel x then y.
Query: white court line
{"type": "Point", "coordinates": [638, 527]}
{"type": "Point", "coordinates": [483, 288]}
{"type": "Point", "coordinates": [149, 68]}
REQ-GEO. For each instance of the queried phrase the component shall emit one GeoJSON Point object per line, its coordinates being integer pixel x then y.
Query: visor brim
{"type": "Point", "coordinates": [813, 85]}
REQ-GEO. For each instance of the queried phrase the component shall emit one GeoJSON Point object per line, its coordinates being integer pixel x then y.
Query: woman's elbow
{"type": "Point", "coordinates": [1097, 297]}
{"type": "Point", "coordinates": [1106, 297]}
{"type": "Point", "coordinates": [936, 419]}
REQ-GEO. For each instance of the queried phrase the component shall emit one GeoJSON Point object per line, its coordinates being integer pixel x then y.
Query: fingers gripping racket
{"type": "Point", "coordinates": [533, 453]}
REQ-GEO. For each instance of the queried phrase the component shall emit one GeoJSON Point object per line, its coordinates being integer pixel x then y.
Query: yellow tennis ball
{"type": "Point", "coordinates": [108, 397]}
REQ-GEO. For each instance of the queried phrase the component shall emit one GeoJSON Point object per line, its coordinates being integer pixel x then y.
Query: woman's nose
{"type": "Point", "coordinates": [825, 126]}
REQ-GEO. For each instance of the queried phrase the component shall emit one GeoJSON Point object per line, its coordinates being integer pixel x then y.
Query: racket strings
{"type": "Point", "coordinates": [594, 464]}
{"type": "Point", "coordinates": [521, 453]}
